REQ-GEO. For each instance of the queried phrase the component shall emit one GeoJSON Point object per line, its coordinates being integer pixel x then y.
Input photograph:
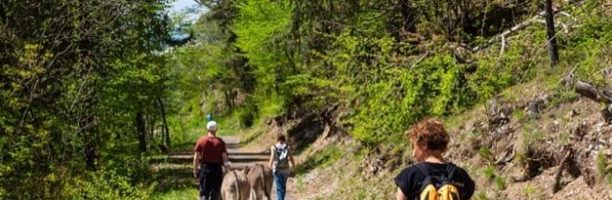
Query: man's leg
{"type": "Point", "coordinates": [202, 186]}
{"type": "Point", "coordinates": [213, 186]}
{"type": "Point", "coordinates": [216, 182]}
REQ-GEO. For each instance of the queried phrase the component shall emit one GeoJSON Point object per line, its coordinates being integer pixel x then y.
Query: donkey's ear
{"type": "Point", "coordinates": [246, 170]}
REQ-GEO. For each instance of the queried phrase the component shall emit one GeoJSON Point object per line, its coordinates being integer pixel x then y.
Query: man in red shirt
{"type": "Point", "coordinates": [210, 155]}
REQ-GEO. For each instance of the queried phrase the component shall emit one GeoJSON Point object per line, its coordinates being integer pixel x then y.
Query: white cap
{"type": "Point", "coordinates": [211, 126]}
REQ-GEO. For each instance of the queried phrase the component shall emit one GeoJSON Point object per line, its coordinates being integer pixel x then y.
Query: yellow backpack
{"type": "Point", "coordinates": [439, 187]}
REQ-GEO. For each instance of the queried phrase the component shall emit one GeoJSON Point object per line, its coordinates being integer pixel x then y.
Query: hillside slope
{"type": "Point", "coordinates": [566, 143]}
{"type": "Point", "coordinates": [536, 139]}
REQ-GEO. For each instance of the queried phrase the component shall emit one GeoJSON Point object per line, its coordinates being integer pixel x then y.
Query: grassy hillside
{"type": "Point", "coordinates": [551, 136]}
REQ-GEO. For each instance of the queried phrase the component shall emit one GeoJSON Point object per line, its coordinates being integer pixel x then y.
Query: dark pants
{"type": "Point", "coordinates": [211, 177]}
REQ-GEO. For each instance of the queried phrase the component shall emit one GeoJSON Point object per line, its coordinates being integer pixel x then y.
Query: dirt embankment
{"type": "Point", "coordinates": [542, 146]}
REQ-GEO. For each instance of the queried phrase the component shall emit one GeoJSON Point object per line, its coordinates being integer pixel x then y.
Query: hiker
{"type": "Point", "coordinates": [281, 162]}
{"type": "Point", "coordinates": [432, 175]}
{"type": "Point", "coordinates": [209, 158]}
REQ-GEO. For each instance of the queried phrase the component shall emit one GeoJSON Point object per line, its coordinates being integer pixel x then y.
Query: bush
{"type": "Point", "coordinates": [103, 186]}
{"type": "Point", "coordinates": [247, 115]}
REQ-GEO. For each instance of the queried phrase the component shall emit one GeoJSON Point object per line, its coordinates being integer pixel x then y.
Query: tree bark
{"type": "Point", "coordinates": [88, 135]}
{"type": "Point", "coordinates": [165, 130]}
{"type": "Point", "coordinates": [141, 131]}
{"type": "Point", "coordinates": [597, 95]}
{"type": "Point", "coordinates": [591, 92]}
{"type": "Point", "coordinates": [550, 30]}
{"type": "Point", "coordinates": [408, 17]}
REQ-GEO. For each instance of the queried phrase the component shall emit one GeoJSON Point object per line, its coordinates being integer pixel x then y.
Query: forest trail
{"type": "Point", "coordinates": [174, 171]}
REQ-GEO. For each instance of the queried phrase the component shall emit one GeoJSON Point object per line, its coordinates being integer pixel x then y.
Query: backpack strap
{"type": "Point", "coordinates": [427, 181]}
{"type": "Point", "coordinates": [451, 169]}
{"type": "Point", "coordinates": [446, 177]}
{"type": "Point", "coordinates": [421, 167]}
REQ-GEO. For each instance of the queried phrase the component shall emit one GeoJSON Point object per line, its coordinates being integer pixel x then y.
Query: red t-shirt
{"type": "Point", "coordinates": [211, 149]}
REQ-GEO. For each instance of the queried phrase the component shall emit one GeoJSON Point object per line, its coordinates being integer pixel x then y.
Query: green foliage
{"type": "Point", "coordinates": [432, 87]}
{"type": "Point", "coordinates": [500, 182]}
{"type": "Point", "coordinates": [603, 167]}
{"type": "Point", "coordinates": [184, 194]}
{"type": "Point", "coordinates": [257, 26]}
{"type": "Point", "coordinates": [491, 175]}
{"type": "Point", "coordinates": [106, 186]}
{"type": "Point", "coordinates": [73, 77]}
{"type": "Point", "coordinates": [83, 83]}
{"type": "Point", "coordinates": [322, 159]}
{"type": "Point", "coordinates": [486, 154]}
{"type": "Point", "coordinates": [247, 115]}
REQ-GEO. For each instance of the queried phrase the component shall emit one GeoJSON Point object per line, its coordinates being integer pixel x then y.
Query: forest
{"type": "Point", "coordinates": [92, 91]}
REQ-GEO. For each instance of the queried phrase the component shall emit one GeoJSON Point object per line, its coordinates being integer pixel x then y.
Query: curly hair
{"type": "Point", "coordinates": [429, 134]}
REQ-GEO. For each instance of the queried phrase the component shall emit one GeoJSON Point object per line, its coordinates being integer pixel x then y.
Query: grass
{"type": "Point", "coordinates": [604, 171]}
{"type": "Point", "coordinates": [486, 153]}
{"type": "Point", "coordinates": [529, 190]}
{"type": "Point", "coordinates": [323, 159]}
{"type": "Point", "coordinates": [180, 194]}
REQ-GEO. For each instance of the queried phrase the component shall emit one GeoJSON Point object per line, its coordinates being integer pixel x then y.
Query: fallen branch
{"type": "Point", "coordinates": [503, 45]}
{"type": "Point", "coordinates": [568, 80]}
{"type": "Point", "coordinates": [568, 15]}
{"type": "Point", "coordinates": [564, 26]}
{"type": "Point", "coordinates": [597, 95]}
{"type": "Point", "coordinates": [506, 157]}
{"type": "Point", "coordinates": [419, 60]}
{"type": "Point", "coordinates": [562, 166]}
{"type": "Point", "coordinates": [591, 92]}
{"type": "Point", "coordinates": [513, 29]}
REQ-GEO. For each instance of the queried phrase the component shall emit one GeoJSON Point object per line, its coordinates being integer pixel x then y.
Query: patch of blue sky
{"type": "Point", "coordinates": [189, 10]}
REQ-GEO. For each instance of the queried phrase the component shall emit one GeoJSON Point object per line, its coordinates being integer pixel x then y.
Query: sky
{"type": "Point", "coordinates": [182, 6]}
{"type": "Point", "coordinates": [179, 5]}
{"type": "Point", "coordinates": [191, 7]}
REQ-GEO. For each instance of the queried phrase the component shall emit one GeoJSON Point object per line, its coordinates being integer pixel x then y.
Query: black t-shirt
{"type": "Point", "coordinates": [410, 179]}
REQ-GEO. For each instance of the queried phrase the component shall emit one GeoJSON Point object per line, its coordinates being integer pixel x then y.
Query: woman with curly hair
{"type": "Point", "coordinates": [432, 173]}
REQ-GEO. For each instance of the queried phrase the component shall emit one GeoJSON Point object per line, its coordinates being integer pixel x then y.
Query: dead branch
{"type": "Point", "coordinates": [513, 29]}
{"type": "Point", "coordinates": [568, 15]}
{"type": "Point", "coordinates": [593, 93]}
{"type": "Point", "coordinates": [562, 166]}
{"type": "Point", "coordinates": [568, 80]}
{"type": "Point", "coordinates": [564, 26]}
{"type": "Point", "coordinates": [503, 45]}
{"type": "Point", "coordinates": [419, 60]}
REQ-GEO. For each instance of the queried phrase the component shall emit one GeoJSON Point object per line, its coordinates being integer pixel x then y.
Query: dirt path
{"type": "Point", "coordinates": [175, 170]}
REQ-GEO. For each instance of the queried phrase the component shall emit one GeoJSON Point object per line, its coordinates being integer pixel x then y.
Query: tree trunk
{"type": "Point", "coordinates": [165, 130]}
{"type": "Point", "coordinates": [89, 148]}
{"type": "Point", "coordinates": [407, 13]}
{"type": "Point", "coordinates": [150, 123]}
{"type": "Point", "coordinates": [141, 131]}
{"type": "Point", "coordinates": [550, 30]}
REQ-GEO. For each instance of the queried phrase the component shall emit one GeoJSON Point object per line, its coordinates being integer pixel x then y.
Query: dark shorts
{"type": "Point", "coordinates": [211, 177]}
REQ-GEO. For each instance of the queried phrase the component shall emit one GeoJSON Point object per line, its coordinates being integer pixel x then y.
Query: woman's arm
{"type": "Point", "coordinates": [400, 195]}
{"type": "Point", "coordinates": [271, 157]}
